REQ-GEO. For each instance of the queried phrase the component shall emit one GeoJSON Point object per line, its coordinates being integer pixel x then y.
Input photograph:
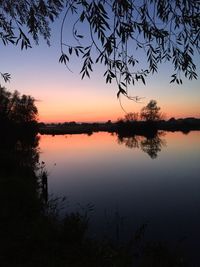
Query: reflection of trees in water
{"type": "Point", "coordinates": [153, 145]}
{"type": "Point", "coordinates": [19, 155]}
{"type": "Point", "coordinates": [31, 234]}
{"type": "Point", "coordinates": [148, 144]}
{"type": "Point", "coordinates": [21, 199]}
{"type": "Point", "coordinates": [27, 152]}
{"type": "Point", "coordinates": [130, 141]}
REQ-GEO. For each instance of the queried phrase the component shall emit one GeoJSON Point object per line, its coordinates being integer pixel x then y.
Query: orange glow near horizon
{"type": "Point", "coordinates": [54, 114]}
{"type": "Point", "coordinates": [89, 110]}
{"type": "Point", "coordinates": [82, 103]}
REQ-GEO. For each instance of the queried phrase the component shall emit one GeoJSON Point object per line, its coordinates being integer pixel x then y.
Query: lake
{"type": "Point", "coordinates": [129, 181]}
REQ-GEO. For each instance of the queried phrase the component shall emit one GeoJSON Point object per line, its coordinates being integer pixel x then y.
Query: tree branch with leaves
{"type": "Point", "coordinates": [111, 33]}
{"type": "Point", "coordinates": [165, 31]}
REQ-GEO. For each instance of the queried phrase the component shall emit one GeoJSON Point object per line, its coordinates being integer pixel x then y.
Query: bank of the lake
{"type": "Point", "coordinates": [132, 127]}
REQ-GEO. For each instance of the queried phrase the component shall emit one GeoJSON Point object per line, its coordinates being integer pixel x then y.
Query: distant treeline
{"type": "Point", "coordinates": [121, 126]}
{"type": "Point", "coordinates": [146, 123]}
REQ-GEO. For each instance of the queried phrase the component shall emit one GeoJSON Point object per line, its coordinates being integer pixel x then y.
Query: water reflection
{"type": "Point", "coordinates": [150, 144]}
{"type": "Point", "coordinates": [32, 235]}
{"type": "Point", "coordinates": [96, 169]}
{"type": "Point", "coordinates": [19, 152]}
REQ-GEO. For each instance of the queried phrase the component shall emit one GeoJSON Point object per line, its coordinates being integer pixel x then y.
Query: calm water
{"type": "Point", "coordinates": [130, 181]}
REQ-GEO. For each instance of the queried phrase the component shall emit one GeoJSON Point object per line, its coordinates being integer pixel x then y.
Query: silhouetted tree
{"type": "Point", "coordinates": [132, 116]}
{"type": "Point", "coordinates": [24, 110]}
{"type": "Point", "coordinates": [151, 112]}
{"type": "Point", "coordinates": [16, 109]}
{"type": "Point", "coordinates": [113, 31]}
{"type": "Point", "coordinates": [4, 104]}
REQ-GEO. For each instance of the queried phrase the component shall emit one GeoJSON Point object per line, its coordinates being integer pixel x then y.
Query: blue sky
{"type": "Point", "coordinates": [63, 96]}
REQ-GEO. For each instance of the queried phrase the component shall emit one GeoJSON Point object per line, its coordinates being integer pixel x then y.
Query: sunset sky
{"type": "Point", "coordinates": [63, 96]}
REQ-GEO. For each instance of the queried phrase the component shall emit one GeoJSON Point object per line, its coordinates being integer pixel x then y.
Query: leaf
{"type": "Point", "coordinates": [82, 17]}
{"type": "Point", "coordinates": [79, 36]}
{"type": "Point", "coordinates": [70, 50]}
{"type": "Point", "coordinates": [143, 80]}
{"type": "Point", "coordinates": [76, 51]}
{"type": "Point", "coordinates": [63, 59]}
{"type": "Point", "coordinates": [121, 91]}
{"type": "Point", "coordinates": [118, 94]}
{"type": "Point", "coordinates": [6, 76]}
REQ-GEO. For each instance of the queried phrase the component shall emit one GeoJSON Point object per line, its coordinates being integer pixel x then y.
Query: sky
{"type": "Point", "coordinates": [62, 96]}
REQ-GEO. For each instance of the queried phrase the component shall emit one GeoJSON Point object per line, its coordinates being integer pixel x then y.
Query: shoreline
{"type": "Point", "coordinates": [122, 127]}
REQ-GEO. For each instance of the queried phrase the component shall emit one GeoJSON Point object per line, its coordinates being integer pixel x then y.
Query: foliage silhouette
{"type": "Point", "coordinates": [162, 30]}
{"type": "Point", "coordinates": [153, 145]}
{"type": "Point", "coordinates": [22, 20]}
{"type": "Point", "coordinates": [151, 112]}
{"type": "Point", "coordinates": [132, 116]}
{"type": "Point", "coordinates": [129, 141]}
{"type": "Point", "coordinates": [17, 113]}
{"type": "Point", "coordinates": [150, 143]}
{"type": "Point", "coordinates": [33, 17]}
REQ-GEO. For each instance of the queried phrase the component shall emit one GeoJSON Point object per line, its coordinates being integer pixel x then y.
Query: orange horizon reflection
{"type": "Point", "coordinates": [76, 141]}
